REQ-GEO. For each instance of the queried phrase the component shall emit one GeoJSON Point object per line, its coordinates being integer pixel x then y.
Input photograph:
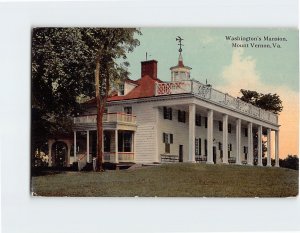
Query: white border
{"type": "Point", "coordinates": [21, 213]}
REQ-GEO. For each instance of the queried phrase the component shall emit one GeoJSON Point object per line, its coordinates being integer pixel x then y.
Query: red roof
{"type": "Point", "coordinates": [131, 81]}
{"type": "Point", "coordinates": [145, 88]}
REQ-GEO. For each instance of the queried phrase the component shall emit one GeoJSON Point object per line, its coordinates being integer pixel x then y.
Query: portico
{"type": "Point", "coordinates": [231, 125]}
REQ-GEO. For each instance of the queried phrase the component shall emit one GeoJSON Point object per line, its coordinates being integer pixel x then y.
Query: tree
{"type": "Point", "coordinates": [64, 61]}
{"type": "Point", "coordinates": [291, 161]}
{"type": "Point", "coordinates": [269, 102]}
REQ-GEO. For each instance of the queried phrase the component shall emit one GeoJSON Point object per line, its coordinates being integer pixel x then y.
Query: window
{"type": "Point", "coordinates": [229, 147]}
{"type": "Point", "coordinates": [220, 146]}
{"type": "Point", "coordinates": [205, 146]}
{"type": "Point", "coordinates": [127, 141]}
{"type": "Point", "coordinates": [205, 122]}
{"type": "Point", "coordinates": [168, 140]}
{"type": "Point", "coordinates": [181, 116]}
{"type": "Point", "coordinates": [128, 110]}
{"type": "Point", "coordinates": [121, 89]}
{"type": "Point", "coordinates": [198, 120]}
{"type": "Point", "coordinates": [246, 152]}
{"type": "Point", "coordinates": [246, 132]}
{"type": "Point", "coordinates": [220, 126]}
{"type": "Point", "coordinates": [167, 113]}
{"type": "Point", "coordinates": [124, 141]}
{"type": "Point", "coordinates": [106, 142]}
{"type": "Point", "coordinates": [229, 128]}
{"type": "Point", "coordinates": [198, 146]}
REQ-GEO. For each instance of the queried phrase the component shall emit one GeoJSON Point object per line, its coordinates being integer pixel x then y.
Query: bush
{"type": "Point", "coordinates": [292, 162]}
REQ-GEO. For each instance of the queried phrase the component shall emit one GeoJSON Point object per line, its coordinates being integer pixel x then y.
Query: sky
{"type": "Point", "coordinates": [229, 69]}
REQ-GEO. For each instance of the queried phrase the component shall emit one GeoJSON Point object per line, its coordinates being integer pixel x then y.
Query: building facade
{"type": "Point", "coordinates": [184, 120]}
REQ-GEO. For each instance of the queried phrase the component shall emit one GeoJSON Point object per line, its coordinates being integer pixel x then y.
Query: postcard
{"type": "Point", "coordinates": [164, 112]}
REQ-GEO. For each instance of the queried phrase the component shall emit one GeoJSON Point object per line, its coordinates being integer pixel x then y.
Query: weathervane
{"type": "Point", "coordinates": [180, 44]}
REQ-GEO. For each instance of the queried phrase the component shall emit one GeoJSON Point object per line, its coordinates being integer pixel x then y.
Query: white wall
{"type": "Point", "coordinates": [145, 135]}
{"type": "Point", "coordinates": [128, 87]}
{"type": "Point", "coordinates": [179, 130]}
{"type": "Point", "coordinates": [180, 133]}
{"type": "Point", "coordinates": [151, 125]}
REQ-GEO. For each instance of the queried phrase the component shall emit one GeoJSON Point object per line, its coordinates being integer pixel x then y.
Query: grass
{"type": "Point", "coordinates": [173, 180]}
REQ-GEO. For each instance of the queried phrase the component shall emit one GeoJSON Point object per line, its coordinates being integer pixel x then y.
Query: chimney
{"type": "Point", "coordinates": [149, 68]}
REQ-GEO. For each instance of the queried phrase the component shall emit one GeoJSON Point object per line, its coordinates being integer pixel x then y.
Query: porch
{"type": "Point", "coordinates": [123, 157]}
{"type": "Point", "coordinates": [118, 138]}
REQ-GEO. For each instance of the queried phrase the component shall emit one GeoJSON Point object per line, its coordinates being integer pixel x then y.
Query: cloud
{"type": "Point", "coordinates": [241, 73]}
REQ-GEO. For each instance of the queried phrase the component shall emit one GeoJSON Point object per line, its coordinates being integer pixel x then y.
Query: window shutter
{"type": "Point", "coordinates": [164, 138]}
{"type": "Point", "coordinates": [220, 146]}
{"type": "Point", "coordinates": [179, 115]}
{"type": "Point", "coordinates": [220, 126]}
{"type": "Point", "coordinates": [171, 138]}
{"type": "Point", "coordinates": [246, 132]}
{"type": "Point", "coordinates": [165, 112]}
{"type": "Point", "coordinates": [229, 128]}
{"type": "Point", "coordinates": [198, 120]}
{"type": "Point", "coordinates": [199, 146]}
{"type": "Point", "coordinates": [170, 112]}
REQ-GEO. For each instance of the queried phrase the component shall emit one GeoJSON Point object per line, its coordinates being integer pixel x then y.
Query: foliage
{"type": "Point", "coordinates": [291, 161]}
{"type": "Point", "coordinates": [269, 102]}
{"type": "Point", "coordinates": [63, 65]}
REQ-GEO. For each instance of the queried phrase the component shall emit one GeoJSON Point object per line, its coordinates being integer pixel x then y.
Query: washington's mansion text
{"type": "Point", "coordinates": [256, 41]}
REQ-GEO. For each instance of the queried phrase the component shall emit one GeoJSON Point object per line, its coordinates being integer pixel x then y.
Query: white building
{"type": "Point", "coordinates": [178, 121]}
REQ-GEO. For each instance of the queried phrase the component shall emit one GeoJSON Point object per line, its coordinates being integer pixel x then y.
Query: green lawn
{"type": "Point", "coordinates": [173, 180]}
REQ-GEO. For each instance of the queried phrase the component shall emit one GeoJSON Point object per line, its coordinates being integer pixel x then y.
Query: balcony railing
{"type": "Point", "coordinates": [208, 93]}
{"type": "Point", "coordinates": [107, 117]}
{"type": "Point", "coordinates": [122, 157]}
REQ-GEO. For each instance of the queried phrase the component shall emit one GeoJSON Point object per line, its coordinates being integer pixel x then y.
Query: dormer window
{"type": "Point", "coordinates": [121, 89]}
{"type": "Point", "coordinates": [128, 110]}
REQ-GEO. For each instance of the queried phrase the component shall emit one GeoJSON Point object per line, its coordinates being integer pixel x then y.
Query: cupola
{"type": "Point", "coordinates": [180, 72]}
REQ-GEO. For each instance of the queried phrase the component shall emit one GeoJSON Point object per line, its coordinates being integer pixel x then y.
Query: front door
{"type": "Point", "coordinates": [214, 154]}
{"type": "Point", "coordinates": [180, 153]}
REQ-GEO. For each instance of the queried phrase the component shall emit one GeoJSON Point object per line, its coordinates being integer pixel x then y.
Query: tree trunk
{"type": "Point", "coordinates": [99, 119]}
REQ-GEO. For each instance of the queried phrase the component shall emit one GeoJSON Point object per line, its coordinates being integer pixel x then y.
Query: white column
{"type": "Point", "coordinates": [277, 148]}
{"type": "Point", "coordinates": [259, 146]}
{"type": "Point", "coordinates": [238, 141]}
{"type": "Point", "coordinates": [133, 145]}
{"type": "Point", "coordinates": [116, 147]}
{"type": "Point", "coordinates": [210, 130]}
{"type": "Point", "coordinates": [192, 112]}
{"type": "Point", "coordinates": [69, 153]}
{"type": "Point", "coordinates": [75, 159]}
{"type": "Point", "coordinates": [269, 147]}
{"type": "Point", "coordinates": [250, 145]}
{"type": "Point", "coordinates": [88, 146]}
{"type": "Point", "coordinates": [225, 139]}
{"type": "Point", "coordinates": [50, 143]}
